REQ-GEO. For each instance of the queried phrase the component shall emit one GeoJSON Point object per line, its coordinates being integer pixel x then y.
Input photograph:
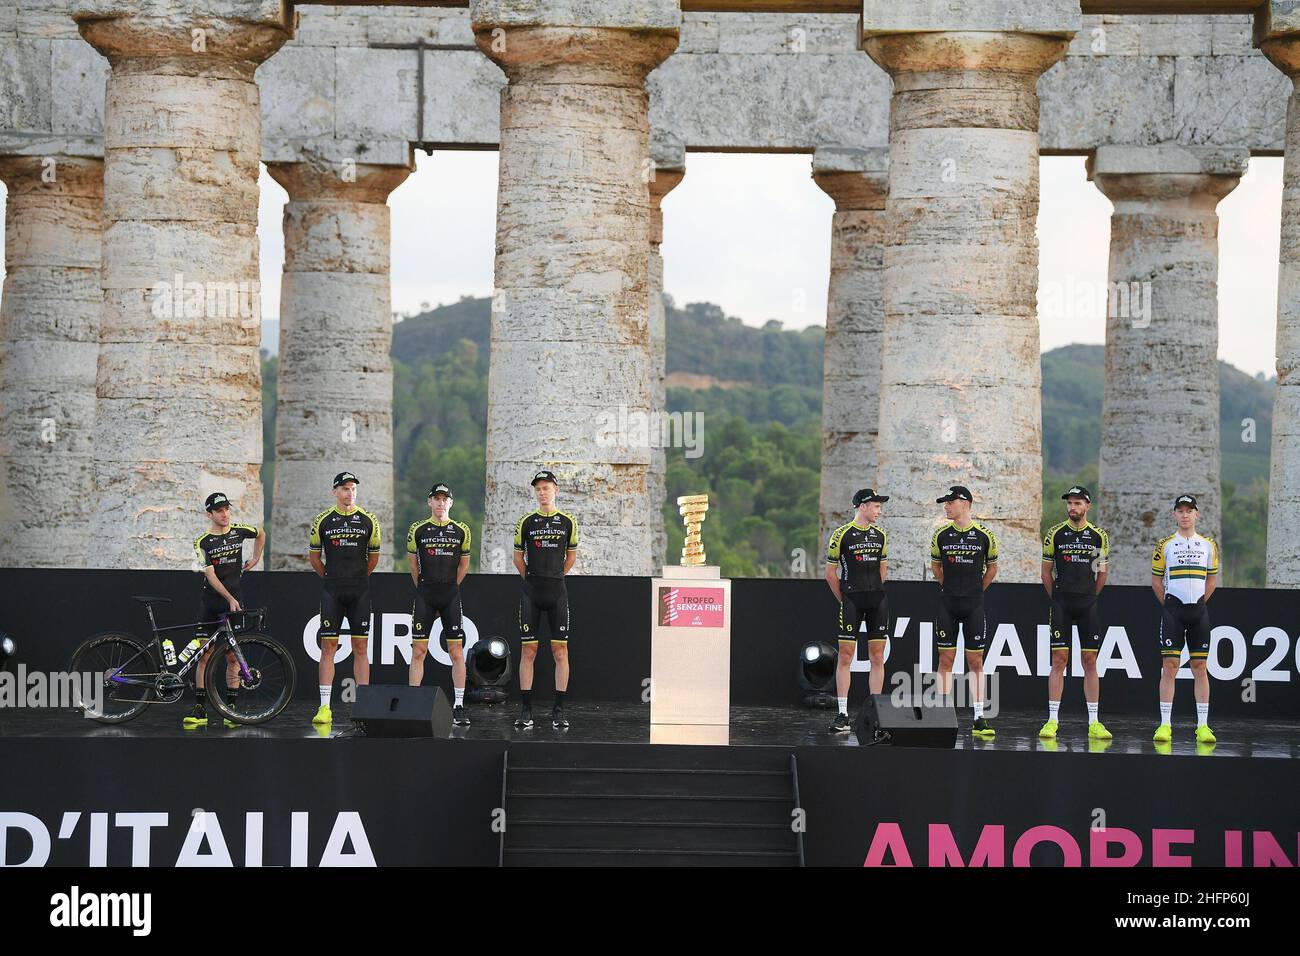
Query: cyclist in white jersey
{"type": "Point", "coordinates": [1184, 574]}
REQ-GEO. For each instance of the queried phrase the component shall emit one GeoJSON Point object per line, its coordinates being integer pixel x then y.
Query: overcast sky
{"type": "Point", "coordinates": [752, 234]}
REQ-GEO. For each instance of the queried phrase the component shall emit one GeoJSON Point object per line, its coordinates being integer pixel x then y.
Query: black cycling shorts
{"type": "Point", "coordinates": [211, 606]}
{"type": "Point", "coordinates": [858, 607]}
{"type": "Point", "coordinates": [543, 597]}
{"type": "Point", "coordinates": [345, 599]}
{"type": "Point", "coordinates": [441, 601]}
{"type": "Point", "coordinates": [1184, 624]}
{"type": "Point", "coordinates": [1075, 610]}
{"type": "Point", "coordinates": [966, 611]}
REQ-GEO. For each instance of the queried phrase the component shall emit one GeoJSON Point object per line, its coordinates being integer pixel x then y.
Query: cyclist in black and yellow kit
{"type": "Point", "coordinates": [219, 551]}
{"type": "Point", "coordinates": [546, 546]}
{"type": "Point", "coordinates": [1074, 572]}
{"type": "Point", "coordinates": [964, 560]}
{"type": "Point", "coordinates": [343, 549]}
{"type": "Point", "coordinates": [856, 568]}
{"type": "Point", "coordinates": [437, 549]}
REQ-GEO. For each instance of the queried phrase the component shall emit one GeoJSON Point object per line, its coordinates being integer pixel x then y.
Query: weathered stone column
{"type": "Point", "coordinates": [334, 391]}
{"type": "Point", "coordinates": [960, 377]}
{"type": "Point", "coordinates": [49, 343]}
{"type": "Point", "coordinates": [669, 170]}
{"type": "Point", "coordinates": [858, 181]}
{"type": "Point", "coordinates": [1277, 33]}
{"type": "Point", "coordinates": [1160, 417]}
{"type": "Point", "coordinates": [178, 409]}
{"type": "Point", "coordinates": [570, 386]}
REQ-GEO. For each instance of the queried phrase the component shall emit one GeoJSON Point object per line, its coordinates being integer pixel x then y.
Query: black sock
{"type": "Point", "coordinates": [527, 697]}
{"type": "Point", "coordinates": [559, 699]}
{"type": "Point", "coordinates": [232, 694]}
{"type": "Point", "coordinates": [200, 694]}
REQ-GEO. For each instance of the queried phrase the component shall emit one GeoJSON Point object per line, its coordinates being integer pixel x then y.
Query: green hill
{"type": "Point", "coordinates": [759, 390]}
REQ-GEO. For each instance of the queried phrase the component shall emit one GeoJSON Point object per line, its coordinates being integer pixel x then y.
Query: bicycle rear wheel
{"type": "Point", "coordinates": [263, 692]}
{"type": "Point", "coordinates": [124, 677]}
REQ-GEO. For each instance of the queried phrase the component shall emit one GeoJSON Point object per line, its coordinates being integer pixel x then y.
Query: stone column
{"type": "Point", "coordinates": [570, 386]}
{"type": "Point", "coordinates": [669, 170]}
{"type": "Point", "coordinates": [334, 394]}
{"type": "Point", "coordinates": [1160, 417]}
{"type": "Point", "coordinates": [858, 181]}
{"type": "Point", "coordinates": [1277, 32]}
{"type": "Point", "coordinates": [178, 410]}
{"type": "Point", "coordinates": [49, 343]}
{"type": "Point", "coordinates": [960, 395]}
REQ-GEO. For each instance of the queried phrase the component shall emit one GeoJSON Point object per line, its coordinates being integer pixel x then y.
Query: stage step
{"type": "Point", "coordinates": [649, 806]}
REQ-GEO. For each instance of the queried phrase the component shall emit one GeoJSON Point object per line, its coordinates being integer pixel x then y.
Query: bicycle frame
{"type": "Point", "coordinates": [224, 629]}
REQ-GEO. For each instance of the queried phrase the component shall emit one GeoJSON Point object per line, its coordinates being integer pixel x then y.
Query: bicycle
{"type": "Point", "coordinates": [135, 675]}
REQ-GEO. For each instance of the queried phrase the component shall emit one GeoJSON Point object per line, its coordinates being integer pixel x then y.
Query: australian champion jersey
{"type": "Point", "coordinates": [858, 551]}
{"type": "Point", "coordinates": [1185, 563]}
{"type": "Point", "coordinates": [1076, 555]}
{"type": "Point", "coordinates": [439, 546]}
{"type": "Point", "coordinates": [225, 552]}
{"type": "Point", "coordinates": [345, 541]}
{"type": "Point", "coordinates": [546, 540]}
{"type": "Point", "coordinates": [965, 553]}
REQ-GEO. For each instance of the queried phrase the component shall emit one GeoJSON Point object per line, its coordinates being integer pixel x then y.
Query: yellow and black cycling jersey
{"type": "Point", "coordinates": [345, 541]}
{"type": "Point", "coordinates": [965, 553]}
{"type": "Point", "coordinates": [545, 541]}
{"type": "Point", "coordinates": [857, 551]}
{"type": "Point", "coordinates": [439, 546]}
{"type": "Point", "coordinates": [225, 552]}
{"type": "Point", "coordinates": [1077, 556]}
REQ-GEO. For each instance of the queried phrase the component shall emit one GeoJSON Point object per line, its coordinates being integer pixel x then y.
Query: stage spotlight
{"type": "Point", "coordinates": [487, 671]}
{"type": "Point", "coordinates": [7, 650]}
{"type": "Point", "coordinates": [817, 661]}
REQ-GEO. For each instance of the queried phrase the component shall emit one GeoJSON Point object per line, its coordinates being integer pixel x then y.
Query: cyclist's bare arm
{"type": "Point", "coordinates": [258, 546]}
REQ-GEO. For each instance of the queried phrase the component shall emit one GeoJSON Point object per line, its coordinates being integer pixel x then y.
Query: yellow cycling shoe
{"type": "Point", "coordinates": [1097, 731]}
{"type": "Point", "coordinates": [1164, 733]}
{"type": "Point", "coordinates": [324, 715]}
{"type": "Point", "coordinates": [1049, 730]}
{"type": "Point", "coordinates": [1204, 735]}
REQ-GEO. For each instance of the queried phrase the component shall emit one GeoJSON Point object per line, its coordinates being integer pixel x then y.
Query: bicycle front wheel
{"type": "Point", "coordinates": [124, 675]}
{"type": "Point", "coordinates": [259, 690]}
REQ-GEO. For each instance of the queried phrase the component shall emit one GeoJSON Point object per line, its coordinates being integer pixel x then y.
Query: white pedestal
{"type": "Point", "coordinates": [690, 654]}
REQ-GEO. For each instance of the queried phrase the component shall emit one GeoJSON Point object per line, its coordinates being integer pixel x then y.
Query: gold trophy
{"type": "Point", "coordinates": [692, 509]}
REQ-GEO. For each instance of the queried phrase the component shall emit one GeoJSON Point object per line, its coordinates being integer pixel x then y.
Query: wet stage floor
{"type": "Point", "coordinates": [595, 722]}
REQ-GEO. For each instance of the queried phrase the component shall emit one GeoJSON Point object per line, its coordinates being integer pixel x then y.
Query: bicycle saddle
{"type": "Point", "coordinates": [150, 600]}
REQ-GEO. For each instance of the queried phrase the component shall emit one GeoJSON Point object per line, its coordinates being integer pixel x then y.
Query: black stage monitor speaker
{"type": "Point", "coordinates": [907, 723]}
{"type": "Point", "coordinates": [396, 710]}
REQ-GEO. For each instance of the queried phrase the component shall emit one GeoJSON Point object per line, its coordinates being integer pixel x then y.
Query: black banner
{"type": "Point", "coordinates": [1253, 661]}
{"type": "Point", "coordinates": [889, 806]}
{"type": "Point", "coordinates": [104, 801]}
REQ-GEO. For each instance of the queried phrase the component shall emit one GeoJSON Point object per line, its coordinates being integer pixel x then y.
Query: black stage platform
{"type": "Point", "coordinates": [609, 791]}
{"type": "Point", "coordinates": [785, 792]}
{"type": "Point", "coordinates": [623, 723]}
